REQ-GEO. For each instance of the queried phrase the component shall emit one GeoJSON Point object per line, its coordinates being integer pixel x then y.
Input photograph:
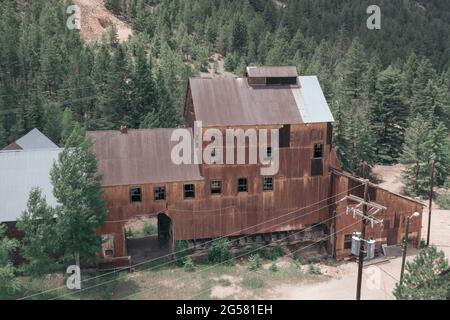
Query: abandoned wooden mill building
{"type": "Point", "coordinates": [199, 202]}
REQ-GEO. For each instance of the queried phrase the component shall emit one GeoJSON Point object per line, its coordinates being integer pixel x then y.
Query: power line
{"type": "Point", "coordinates": [194, 247]}
{"type": "Point", "coordinates": [298, 250]}
{"type": "Point", "coordinates": [169, 262]}
{"type": "Point", "coordinates": [240, 256]}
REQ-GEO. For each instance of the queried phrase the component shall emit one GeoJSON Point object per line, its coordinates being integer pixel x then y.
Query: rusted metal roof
{"type": "Point", "coordinates": [232, 101]}
{"type": "Point", "coordinates": [272, 72]}
{"type": "Point", "coordinates": [138, 157]}
{"type": "Point", "coordinates": [12, 146]}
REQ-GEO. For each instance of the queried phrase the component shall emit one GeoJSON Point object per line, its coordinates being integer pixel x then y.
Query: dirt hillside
{"type": "Point", "coordinates": [95, 20]}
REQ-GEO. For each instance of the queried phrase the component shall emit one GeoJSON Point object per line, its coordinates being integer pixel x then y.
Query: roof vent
{"type": "Point", "coordinates": [124, 129]}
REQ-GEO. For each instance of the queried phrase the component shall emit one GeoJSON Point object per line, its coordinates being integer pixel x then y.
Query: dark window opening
{"type": "Point", "coordinates": [285, 136]}
{"type": "Point", "coordinates": [242, 185]}
{"type": "Point", "coordinates": [160, 193]}
{"type": "Point", "coordinates": [216, 187]}
{"type": "Point", "coordinates": [109, 253]}
{"type": "Point", "coordinates": [348, 241]}
{"type": "Point", "coordinates": [318, 150]}
{"type": "Point", "coordinates": [282, 81]}
{"type": "Point", "coordinates": [136, 195]}
{"type": "Point", "coordinates": [189, 191]}
{"type": "Point", "coordinates": [267, 184]}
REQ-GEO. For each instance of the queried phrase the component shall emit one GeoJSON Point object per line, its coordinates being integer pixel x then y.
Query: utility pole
{"type": "Point", "coordinates": [431, 202]}
{"type": "Point", "coordinates": [405, 243]}
{"type": "Point", "coordinates": [361, 242]}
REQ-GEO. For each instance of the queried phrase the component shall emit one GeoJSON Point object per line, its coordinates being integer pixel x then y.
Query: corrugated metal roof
{"type": "Point", "coordinates": [272, 72]}
{"type": "Point", "coordinates": [138, 157]}
{"type": "Point", "coordinates": [20, 171]}
{"type": "Point", "coordinates": [33, 140]}
{"type": "Point", "coordinates": [311, 102]}
{"type": "Point", "coordinates": [232, 101]}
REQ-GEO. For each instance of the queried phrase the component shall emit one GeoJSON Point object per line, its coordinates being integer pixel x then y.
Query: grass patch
{"type": "Point", "coordinates": [224, 282]}
{"type": "Point", "coordinates": [253, 282]}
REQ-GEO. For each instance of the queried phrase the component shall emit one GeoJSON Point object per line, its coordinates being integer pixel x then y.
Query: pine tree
{"type": "Point", "coordinates": [416, 154]}
{"type": "Point", "coordinates": [239, 36]}
{"type": "Point", "coordinates": [3, 135]}
{"type": "Point", "coordinates": [40, 243]}
{"type": "Point", "coordinates": [388, 115]}
{"type": "Point", "coordinates": [68, 123]}
{"type": "Point", "coordinates": [78, 191]}
{"type": "Point", "coordinates": [427, 277]}
{"type": "Point", "coordinates": [8, 280]}
{"type": "Point", "coordinates": [117, 99]}
{"type": "Point", "coordinates": [351, 70]}
{"type": "Point", "coordinates": [52, 122]}
{"type": "Point", "coordinates": [440, 149]}
{"type": "Point", "coordinates": [361, 153]}
{"type": "Point", "coordinates": [340, 135]}
{"type": "Point", "coordinates": [143, 93]}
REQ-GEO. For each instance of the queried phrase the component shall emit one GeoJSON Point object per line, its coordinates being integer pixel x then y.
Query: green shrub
{"type": "Point", "coordinates": [149, 229]}
{"type": "Point", "coordinates": [188, 265]}
{"type": "Point", "coordinates": [219, 251]}
{"type": "Point", "coordinates": [422, 244]}
{"type": "Point", "coordinates": [314, 270]}
{"type": "Point", "coordinates": [443, 200]}
{"type": "Point", "coordinates": [182, 250]}
{"type": "Point", "coordinates": [254, 262]}
{"type": "Point", "coordinates": [276, 252]}
{"type": "Point", "coordinates": [273, 267]}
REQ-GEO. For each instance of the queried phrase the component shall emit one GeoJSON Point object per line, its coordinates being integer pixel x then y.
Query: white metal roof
{"type": "Point", "coordinates": [20, 171]}
{"type": "Point", "coordinates": [311, 102]}
{"type": "Point", "coordinates": [35, 140]}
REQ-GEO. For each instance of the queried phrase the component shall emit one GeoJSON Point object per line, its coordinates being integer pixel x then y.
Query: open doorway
{"type": "Point", "coordinates": [164, 230]}
{"type": "Point", "coordinates": [148, 237]}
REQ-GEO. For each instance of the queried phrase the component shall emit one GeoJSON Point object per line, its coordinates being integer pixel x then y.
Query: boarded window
{"type": "Point", "coordinates": [316, 167]}
{"type": "Point", "coordinates": [160, 193]}
{"type": "Point", "coordinates": [216, 187]}
{"type": "Point", "coordinates": [285, 136]}
{"type": "Point", "coordinates": [242, 185]}
{"type": "Point", "coordinates": [318, 150]}
{"type": "Point", "coordinates": [189, 191]}
{"type": "Point", "coordinates": [135, 195]}
{"type": "Point", "coordinates": [267, 183]}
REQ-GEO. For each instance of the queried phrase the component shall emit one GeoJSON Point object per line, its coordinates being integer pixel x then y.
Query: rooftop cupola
{"type": "Point", "coordinates": [272, 76]}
